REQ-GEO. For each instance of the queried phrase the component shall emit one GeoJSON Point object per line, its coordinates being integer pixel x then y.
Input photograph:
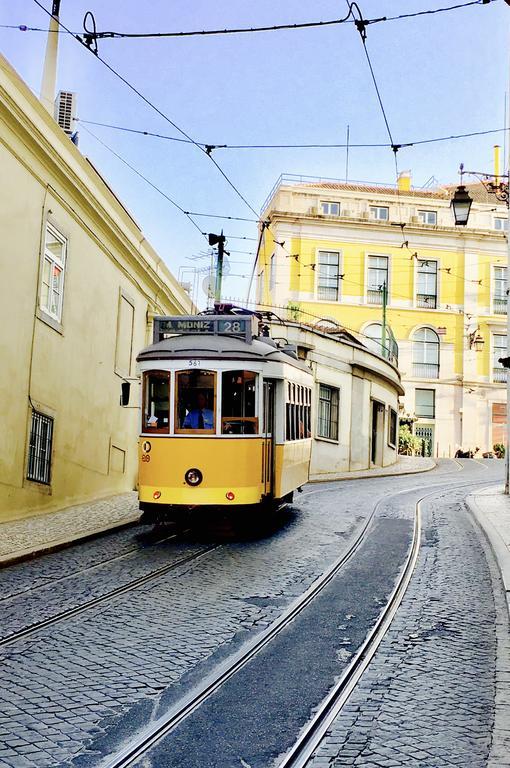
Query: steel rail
{"type": "Point", "coordinates": [152, 734]}
{"type": "Point", "coordinates": [34, 628]}
{"type": "Point", "coordinates": [157, 730]}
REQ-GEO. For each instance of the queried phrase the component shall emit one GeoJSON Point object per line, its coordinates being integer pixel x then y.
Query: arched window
{"type": "Point", "coordinates": [426, 354]}
{"type": "Point", "coordinates": [373, 336]}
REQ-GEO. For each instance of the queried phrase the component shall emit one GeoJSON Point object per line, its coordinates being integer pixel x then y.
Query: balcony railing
{"type": "Point", "coordinates": [324, 293]}
{"type": "Point", "coordinates": [499, 374]}
{"type": "Point", "coordinates": [426, 370]}
{"type": "Point", "coordinates": [374, 296]}
{"type": "Point", "coordinates": [500, 305]}
{"type": "Point", "coordinates": [426, 300]}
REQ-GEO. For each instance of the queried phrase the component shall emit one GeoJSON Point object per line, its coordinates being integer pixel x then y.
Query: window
{"type": "Point", "coordinates": [195, 401]}
{"type": "Point", "coordinates": [156, 402]}
{"type": "Point", "coordinates": [426, 289]}
{"type": "Point", "coordinates": [124, 344]}
{"type": "Point", "coordinates": [426, 354]}
{"type": "Point", "coordinates": [500, 287]}
{"type": "Point", "coordinates": [425, 403]}
{"type": "Point", "coordinates": [381, 213]}
{"type": "Point", "coordinates": [427, 217]}
{"type": "Point", "coordinates": [329, 208]}
{"type": "Point", "coordinates": [39, 449]}
{"type": "Point", "coordinates": [328, 275]}
{"type": "Point", "coordinates": [53, 272]}
{"type": "Point", "coordinates": [373, 337]}
{"type": "Point", "coordinates": [327, 425]}
{"type": "Point", "coordinates": [298, 408]}
{"type": "Point", "coordinates": [238, 395]}
{"type": "Point", "coordinates": [501, 224]}
{"type": "Point", "coordinates": [392, 429]}
{"type": "Point", "coordinates": [377, 278]}
{"type": "Point", "coordinates": [498, 350]}
{"type": "Point", "coordinates": [272, 273]}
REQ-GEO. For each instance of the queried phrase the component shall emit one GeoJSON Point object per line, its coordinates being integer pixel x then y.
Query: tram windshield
{"type": "Point", "coordinates": [238, 398]}
{"type": "Point", "coordinates": [156, 409]}
{"type": "Point", "coordinates": [195, 397]}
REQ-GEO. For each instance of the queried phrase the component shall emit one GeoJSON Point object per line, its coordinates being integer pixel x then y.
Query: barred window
{"type": "Point", "coordinates": [39, 450]}
{"type": "Point", "coordinates": [327, 425]}
{"type": "Point", "coordinates": [298, 412]}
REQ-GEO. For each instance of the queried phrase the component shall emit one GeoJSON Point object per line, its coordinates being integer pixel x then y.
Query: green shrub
{"type": "Point", "coordinates": [499, 450]}
{"type": "Point", "coordinates": [408, 444]}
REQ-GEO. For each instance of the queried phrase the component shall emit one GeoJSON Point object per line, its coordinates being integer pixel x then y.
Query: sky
{"type": "Point", "coordinates": [438, 75]}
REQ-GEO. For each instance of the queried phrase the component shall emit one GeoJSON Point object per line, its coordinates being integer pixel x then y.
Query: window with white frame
{"type": "Point", "coordinates": [425, 403]}
{"type": "Point", "coordinates": [377, 279]}
{"type": "Point", "coordinates": [427, 217]}
{"type": "Point", "coordinates": [327, 423]}
{"type": "Point", "coordinates": [426, 354]}
{"type": "Point", "coordinates": [498, 350]}
{"type": "Point", "coordinates": [499, 294]}
{"type": "Point", "coordinates": [379, 212]}
{"type": "Point", "coordinates": [426, 284]}
{"type": "Point", "coordinates": [500, 224]}
{"type": "Point", "coordinates": [328, 277]}
{"type": "Point", "coordinates": [330, 208]}
{"type": "Point", "coordinates": [53, 273]}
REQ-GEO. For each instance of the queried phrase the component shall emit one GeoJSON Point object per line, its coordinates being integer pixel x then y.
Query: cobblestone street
{"type": "Point", "coordinates": [71, 691]}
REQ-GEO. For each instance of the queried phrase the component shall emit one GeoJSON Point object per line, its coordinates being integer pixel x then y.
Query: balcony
{"type": "Point", "coordinates": [500, 305]}
{"type": "Point", "coordinates": [426, 300]}
{"type": "Point", "coordinates": [374, 296]}
{"type": "Point", "coordinates": [426, 370]}
{"type": "Point", "coordinates": [499, 374]}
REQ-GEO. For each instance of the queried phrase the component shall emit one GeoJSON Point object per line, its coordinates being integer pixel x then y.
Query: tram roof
{"type": "Point", "coordinates": [218, 346]}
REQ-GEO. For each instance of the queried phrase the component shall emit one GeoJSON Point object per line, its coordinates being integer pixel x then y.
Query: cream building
{"type": "Point", "coordinates": [79, 284]}
{"type": "Point", "coordinates": [356, 401]}
{"type": "Point", "coordinates": [353, 254]}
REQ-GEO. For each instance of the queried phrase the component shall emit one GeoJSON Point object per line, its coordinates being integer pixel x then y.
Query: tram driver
{"type": "Point", "coordinates": [200, 417]}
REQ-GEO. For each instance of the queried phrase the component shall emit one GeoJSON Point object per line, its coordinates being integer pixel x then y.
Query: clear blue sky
{"type": "Point", "coordinates": [438, 75]}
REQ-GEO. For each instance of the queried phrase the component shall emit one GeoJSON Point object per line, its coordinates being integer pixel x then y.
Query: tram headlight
{"type": "Point", "coordinates": [193, 476]}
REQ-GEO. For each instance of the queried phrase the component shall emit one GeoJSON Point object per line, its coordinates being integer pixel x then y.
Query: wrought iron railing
{"type": "Point", "coordinates": [500, 305]}
{"type": "Point", "coordinates": [426, 300]}
{"type": "Point", "coordinates": [374, 296]}
{"type": "Point", "coordinates": [426, 370]}
{"type": "Point", "coordinates": [499, 374]}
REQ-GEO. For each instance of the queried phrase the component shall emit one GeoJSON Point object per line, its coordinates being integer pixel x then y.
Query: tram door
{"type": "Point", "coordinates": [268, 442]}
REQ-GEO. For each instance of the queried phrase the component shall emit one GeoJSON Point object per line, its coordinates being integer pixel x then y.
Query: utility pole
{"type": "Point", "coordinates": [49, 77]}
{"type": "Point", "coordinates": [383, 329]}
{"type": "Point", "coordinates": [218, 240]}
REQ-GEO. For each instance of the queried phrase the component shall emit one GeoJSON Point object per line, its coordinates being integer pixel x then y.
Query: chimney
{"type": "Point", "coordinates": [49, 77]}
{"type": "Point", "coordinates": [496, 163]}
{"type": "Point", "coordinates": [404, 181]}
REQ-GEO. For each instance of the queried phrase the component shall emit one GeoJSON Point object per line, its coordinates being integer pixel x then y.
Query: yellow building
{"type": "Point", "coordinates": [79, 285]}
{"type": "Point", "coordinates": [332, 249]}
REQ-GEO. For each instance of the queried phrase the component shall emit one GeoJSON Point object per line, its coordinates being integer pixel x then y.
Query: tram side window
{"type": "Point", "coordinates": [156, 407]}
{"type": "Point", "coordinates": [297, 412]}
{"type": "Point", "coordinates": [195, 398]}
{"type": "Point", "coordinates": [238, 403]}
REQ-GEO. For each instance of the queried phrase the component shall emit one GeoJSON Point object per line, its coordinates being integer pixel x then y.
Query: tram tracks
{"type": "Point", "coordinates": [314, 731]}
{"type": "Point", "coordinates": [111, 594]}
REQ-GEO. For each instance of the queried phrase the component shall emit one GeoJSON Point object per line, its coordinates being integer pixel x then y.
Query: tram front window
{"type": "Point", "coordinates": [156, 409]}
{"type": "Point", "coordinates": [195, 401]}
{"type": "Point", "coordinates": [238, 403]}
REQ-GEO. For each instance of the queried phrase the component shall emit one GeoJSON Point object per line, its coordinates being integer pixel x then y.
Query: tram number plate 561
{"type": "Point", "coordinates": [194, 363]}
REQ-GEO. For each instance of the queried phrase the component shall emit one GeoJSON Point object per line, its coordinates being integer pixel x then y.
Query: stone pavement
{"type": "Point", "coordinates": [28, 537]}
{"type": "Point", "coordinates": [25, 538]}
{"type": "Point", "coordinates": [491, 508]}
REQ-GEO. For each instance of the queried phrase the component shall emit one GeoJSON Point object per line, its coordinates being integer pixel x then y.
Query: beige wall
{"type": "Point", "coordinates": [70, 371]}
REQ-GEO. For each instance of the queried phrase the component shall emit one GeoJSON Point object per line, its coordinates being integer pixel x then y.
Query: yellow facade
{"type": "Point", "coordinates": [64, 360]}
{"type": "Point", "coordinates": [418, 229]}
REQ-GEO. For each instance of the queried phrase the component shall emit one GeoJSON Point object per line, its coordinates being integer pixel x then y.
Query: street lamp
{"type": "Point", "coordinates": [461, 205]}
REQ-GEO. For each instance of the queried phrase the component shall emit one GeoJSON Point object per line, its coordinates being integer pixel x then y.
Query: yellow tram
{"type": "Point", "coordinates": [226, 417]}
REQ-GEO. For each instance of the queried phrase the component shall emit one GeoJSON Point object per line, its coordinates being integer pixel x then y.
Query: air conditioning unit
{"type": "Point", "coordinates": [65, 111]}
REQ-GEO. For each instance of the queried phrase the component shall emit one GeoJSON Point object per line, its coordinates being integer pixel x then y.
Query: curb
{"type": "Point", "coordinates": [498, 546]}
{"type": "Point", "coordinates": [56, 545]}
{"type": "Point", "coordinates": [355, 476]}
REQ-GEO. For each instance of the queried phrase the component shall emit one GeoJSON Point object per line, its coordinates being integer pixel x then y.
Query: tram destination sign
{"type": "Point", "coordinates": [242, 327]}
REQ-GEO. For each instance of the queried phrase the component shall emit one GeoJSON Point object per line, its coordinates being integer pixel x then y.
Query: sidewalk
{"type": "Point", "coordinates": [491, 508]}
{"type": "Point", "coordinates": [405, 465]}
{"type": "Point", "coordinates": [31, 536]}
